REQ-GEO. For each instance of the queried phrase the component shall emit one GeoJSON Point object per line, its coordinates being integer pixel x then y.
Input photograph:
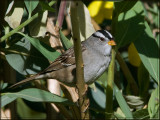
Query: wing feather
{"type": "Point", "coordinates": [65, 60]}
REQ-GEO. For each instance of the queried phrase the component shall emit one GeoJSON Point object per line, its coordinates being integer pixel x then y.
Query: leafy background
{"type": "Point", "coordinates": [25, 47]}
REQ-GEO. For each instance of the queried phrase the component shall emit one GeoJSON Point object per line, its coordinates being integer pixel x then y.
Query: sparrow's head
{"type": "Point", "coordinates": [104, 36]}
{"type": "Point", "coordinates": [103, 40]}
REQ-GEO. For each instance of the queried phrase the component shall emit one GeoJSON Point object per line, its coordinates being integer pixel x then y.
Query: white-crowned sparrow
{"type": "Point", "coordinates": [96, 52]}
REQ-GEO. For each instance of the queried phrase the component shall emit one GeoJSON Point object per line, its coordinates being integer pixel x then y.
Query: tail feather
{"type": "Point", "coordinates": [34, 77]}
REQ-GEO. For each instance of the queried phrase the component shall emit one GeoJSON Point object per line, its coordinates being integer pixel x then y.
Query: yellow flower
{"type": "Point", "coordinates": [133, 55]}
{"type": "Point", "coordinates": [100, 10]}
{"type": "Point", "coordinates": [108, 9]}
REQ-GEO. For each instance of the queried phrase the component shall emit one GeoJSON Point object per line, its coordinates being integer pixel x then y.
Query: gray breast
{"type": "Point", "coordinates": [94, 66]}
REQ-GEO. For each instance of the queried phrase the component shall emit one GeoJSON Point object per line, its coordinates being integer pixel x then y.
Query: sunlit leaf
{"type": "Point", "coordinates": [123, 6]}
{"type": "Point", "coordinates": [37, 28]}
{"type": "Point", "coordinates": [85, 26]}
{"type": "Point", "coordinates": [119, 114]}
{"type": "Point", "coordinates": [14, 17]}
{"type": "Point", "coordinates": [130, 25]}
{"type": "Point", "coordinates": [153, 104]}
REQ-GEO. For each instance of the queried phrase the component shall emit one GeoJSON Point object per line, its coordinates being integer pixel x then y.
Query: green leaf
{"type": "Point", "coordinates": [34, 95]}
{"type": "Point", "coordinates": [31, 5]}
{"type": "Point", "coordinates": [37, 28]}
{"type": "Point", "coordinates": [45, 6]}
{"type": "Point", "coordinates": [6, 100]}
{"type": "Point", "coordinates": [14, 17]}
{"type": "Point", "coordinates": [65, 41]}
{"type": "Point", "coordinates": [141, 114]}
{"type": "Point", "coordinates": [102, 80]}
{"type": "Point", "coordinates": [147, 48]}
{"type": "Point", "coordinates": [23, 24]}
{"type": "Point", "coordinates": [25, 59]}
{"type": "Point", "coordinates": [123, 6]}
{"type": "Point", "coordinates": [46, 50]}
{"type": "Point", "coordinates": [3, 85]}
{"type": "Point", "coordinates": [5, 9]}
{"type": "Point", "coordinates": [99, 97]}
{"type": "Point", "coordinates": [143, 77]}
{"type": "Point", "coordinates": [122, 103]}
{"type": "Point", "coordinates": [129, 25]}
{"type": "Point", "coordinates": [119, 114]}
{"type": "Point", "coordinates": [26, 112]}
{"type": "Point", "coordinates": [153, 104]}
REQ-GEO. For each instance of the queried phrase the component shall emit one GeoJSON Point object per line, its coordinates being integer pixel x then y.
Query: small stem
{"type": "Point", "coordinates": [19, 27]}
{"type": "Point", "coordinates": [29, 16]}
{"type": "Point", "coordinates": [109, 89]}
{"type": "Point", "coordinates": [127, 74]}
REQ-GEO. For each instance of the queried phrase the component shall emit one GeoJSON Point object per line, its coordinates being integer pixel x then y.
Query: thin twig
{"type": "Point", "coordinates": [127, 74]}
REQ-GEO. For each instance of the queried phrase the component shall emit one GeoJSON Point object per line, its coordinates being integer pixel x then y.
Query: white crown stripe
{"type": "Point", "coordinates": [98, 34]}
{"type": "Point", "coordinates": [101, 34]}
{"type": "Point", "coordinates": [108, 33]}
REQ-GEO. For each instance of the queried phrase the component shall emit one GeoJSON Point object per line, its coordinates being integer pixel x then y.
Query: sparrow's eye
{"type": "Point", "coordinates": [101, 38]}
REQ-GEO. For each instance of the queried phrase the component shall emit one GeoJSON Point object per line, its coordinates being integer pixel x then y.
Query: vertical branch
{"type": "Point", "coordinates": [83, 101]}
{"type": "Point", "coordinates": [110, 80]}
{"type": "Point", "coordinates": [61, 14]}
{"type": "Point", "coordinates": [109, 89]}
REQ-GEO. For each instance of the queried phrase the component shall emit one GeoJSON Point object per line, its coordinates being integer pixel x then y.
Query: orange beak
{"type": "Point", "coordinates": [112, 43]}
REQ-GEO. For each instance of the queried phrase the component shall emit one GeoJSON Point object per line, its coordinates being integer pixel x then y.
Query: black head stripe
{"type": "Point", "coordinates": [95, 35]}
{"type": "Point", "coordinates": [105, 34]}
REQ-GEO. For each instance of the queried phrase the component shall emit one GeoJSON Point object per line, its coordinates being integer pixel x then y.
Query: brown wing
{"type": "Point", "coordinates": [65, 60]}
